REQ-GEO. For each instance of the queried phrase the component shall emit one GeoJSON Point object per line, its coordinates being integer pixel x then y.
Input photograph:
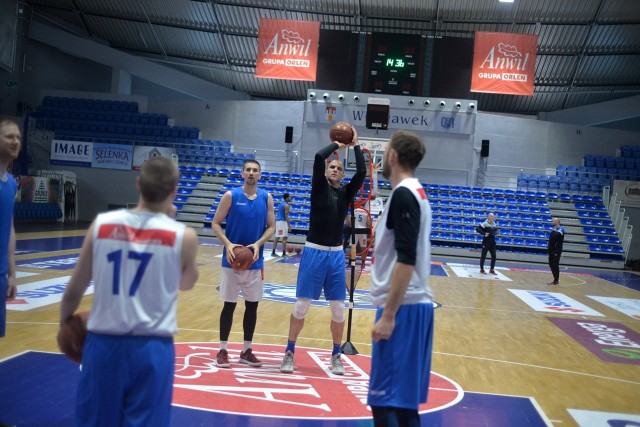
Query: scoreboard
{"type": "Point", "coordinates": [395, 64]}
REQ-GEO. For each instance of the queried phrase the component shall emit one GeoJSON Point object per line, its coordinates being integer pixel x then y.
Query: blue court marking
{"type": "Point", "coordinates": [63, 262]}
{"type": "Point", "coordinates": [50, 244]}
{"type": "Point", "coordinates": [39, 389]}
{"type": "Point", "coordinates": [438, 270]}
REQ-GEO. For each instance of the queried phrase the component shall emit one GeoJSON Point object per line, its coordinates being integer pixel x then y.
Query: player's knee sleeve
{"type": "Point", "coordinates": [337, 311]}
{"type": "Point", "coordinates": [301, 308]}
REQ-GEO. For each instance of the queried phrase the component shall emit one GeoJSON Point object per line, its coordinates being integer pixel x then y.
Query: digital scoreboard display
{"type": "Point", "coordinates": [395, 64]}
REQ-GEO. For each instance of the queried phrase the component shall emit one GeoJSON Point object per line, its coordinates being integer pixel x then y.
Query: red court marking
{"type": "Point", "coordinates": [310, 392]}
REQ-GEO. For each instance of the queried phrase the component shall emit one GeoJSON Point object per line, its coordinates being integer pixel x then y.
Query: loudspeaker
{"type": "Point", "coordinates": [484, 151]}
{"type": "Point", "coordinates": [288, 135]}
{"type": "Point", "coordinates": [378, 113]}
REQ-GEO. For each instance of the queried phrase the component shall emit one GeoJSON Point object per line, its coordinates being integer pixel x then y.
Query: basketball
{"type": "Point", "coordinates": [341, 132]}
{"type": "Point", "coordinates": [298, 249]}
{"type": "Point", "coordinates": [290, 249]}
{"type": "Point", "coordinates": [72, 334]}
{"type": "Point", "coordinates": [243, 258]}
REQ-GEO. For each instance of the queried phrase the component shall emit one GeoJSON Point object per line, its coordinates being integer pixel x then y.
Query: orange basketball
{"type": "Point", "coordinates": [72, 334]}
{"type": "Point", "coordinates": [243, 258]}
{"type": "Point", "coordinates": [298, 249]}
{"type": "Point", "coordinates": [290, 249]}
{"type": "Point", "coordinates": [341, 132]}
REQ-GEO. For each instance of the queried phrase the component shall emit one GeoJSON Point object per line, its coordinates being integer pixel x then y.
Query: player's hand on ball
{"type": "Point", "coordinates": [354, 140]}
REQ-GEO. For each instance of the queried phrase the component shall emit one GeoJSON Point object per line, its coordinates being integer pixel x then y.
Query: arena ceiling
{"type": "Point", "coordinates": [588, 50]}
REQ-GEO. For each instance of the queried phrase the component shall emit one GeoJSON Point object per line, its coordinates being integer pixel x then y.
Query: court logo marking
{"type": "Point", "coordinates": [287, 294]}
{"type": "Point", "coordinates": [64, 262]}
{"type": "Point", "coordinates": [611, 342]}
{"type": "Point", "coordinates": [603, 419]}
{"type": "Point", "coordinates": [628, 306]}
{"type": "Point", "coordinates": [41, 293]}
{"type": "Point", "coordinates": [553, 302]}
{"type": "Point", "coordinates": [473, 271]}
{"type": "Point", "coordinates": [311, 392]}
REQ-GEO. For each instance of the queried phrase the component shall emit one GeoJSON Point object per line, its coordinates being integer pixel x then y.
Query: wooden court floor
{"type": "Point", "coordinates": [486, 338]}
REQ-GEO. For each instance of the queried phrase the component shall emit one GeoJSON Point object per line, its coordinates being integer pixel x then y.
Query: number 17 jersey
{"type": "Point", "coordinates": [136, 273]}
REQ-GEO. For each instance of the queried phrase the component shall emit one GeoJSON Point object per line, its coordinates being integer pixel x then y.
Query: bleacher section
{"type": "Point", "coordinates": [80, 119]}
{"type": "Point", "coordinates": [524, 217]}
{"type": "Point", "coordinates": [28, 212]}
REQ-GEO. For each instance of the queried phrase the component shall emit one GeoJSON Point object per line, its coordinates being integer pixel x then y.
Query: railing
{"type": "Point", "coordinates": [273, 160]}
{"type": "Point", "coordinates": [620, 221]}
{"type": "Point", "coordinates": [506, 177]}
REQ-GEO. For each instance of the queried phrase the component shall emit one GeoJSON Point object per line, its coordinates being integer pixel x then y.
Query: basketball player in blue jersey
{"type": "Point", "coordinates": [248, 211]}
{"type": "Point", "coordinates": [10, 140]}
{"type": "Point", "coordinates": [138, 260]}
{"type": "Point", "coordinates": [403, 328]}
{"type": "Point", "coordinates": [283, 226]}
{"type": "Point", "coordinates": [322, 263]}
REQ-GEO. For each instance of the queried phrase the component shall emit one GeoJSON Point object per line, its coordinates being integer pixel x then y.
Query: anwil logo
{"type": "Point", "coordinates": [293, 44]}
{"type": "Point", "coordinates": [511, 59]}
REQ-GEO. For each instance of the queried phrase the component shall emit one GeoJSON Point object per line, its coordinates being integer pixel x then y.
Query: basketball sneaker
{"type": "Point", "coordinates": [287, 363]}
{"type": "Point", "coordinates": [248, 358]}
{"type": "Point", "coordinates": [222, 359]}
{"type": "Point", "coordinates": [336, 365]}
{"type": "Point", "coordinates": [273, 254]}
{"type": "Point", "coordinates": [482, 271]}
{"type": "Point", "coordinates": [492, 271]}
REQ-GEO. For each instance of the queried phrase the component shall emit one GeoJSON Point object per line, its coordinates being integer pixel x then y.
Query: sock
{"type": "Point", "coordinates": [223, 345]}
{"type": "Point", "coordinates": [247, 345]}
{"type": "Point", "coordinates": [291, 346]}
{"type": "Point", "coordinates": [336, 349]}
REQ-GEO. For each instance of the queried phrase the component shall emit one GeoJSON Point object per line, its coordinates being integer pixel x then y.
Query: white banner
{"type": "Point", "coordinates": [142, 154]}
{"type": "Point", "coordinates": [405, 119]}
{"type": "Point", "coordinates": [71, 153]}
{"type": "Point", "coordinates": [628, 192]}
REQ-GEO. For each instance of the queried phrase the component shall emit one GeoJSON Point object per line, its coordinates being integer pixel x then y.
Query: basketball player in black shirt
{"type": "Point", "coordinates": [322, 263]}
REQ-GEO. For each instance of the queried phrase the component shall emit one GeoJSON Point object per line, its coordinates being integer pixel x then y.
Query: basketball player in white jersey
{"type": "Point", "coordinates": [362, 228]}
{"type": "Point", "coordinates": [403, 329]}
{"type": "Point", "coordinates": [138, 260]}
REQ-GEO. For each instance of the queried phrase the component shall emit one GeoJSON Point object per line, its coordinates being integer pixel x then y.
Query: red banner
{"type": "Point", "coordinates": [287, 49]}
{"type": "Point", "coordinates": [504, 63]}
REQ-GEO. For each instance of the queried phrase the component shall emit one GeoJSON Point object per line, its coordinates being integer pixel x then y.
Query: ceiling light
{"type": "Point", "coordinates": [505, 1]}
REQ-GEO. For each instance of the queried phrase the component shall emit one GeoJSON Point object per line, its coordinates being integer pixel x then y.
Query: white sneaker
{"type": "Point", "coordinates": [336, 365]}
{"type": "Point", "coordinates": [287, 363]}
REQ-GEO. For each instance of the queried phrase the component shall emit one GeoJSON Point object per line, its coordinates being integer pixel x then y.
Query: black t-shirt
{"type": "Point", "coordinates": [404, 219]}
{"type": "Point", "coordinates": [329, 205]}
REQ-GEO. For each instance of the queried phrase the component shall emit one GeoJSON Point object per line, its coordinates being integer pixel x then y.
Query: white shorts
{"type": "Point", "coordinates": [282, 230]}
{"type": "Point", "coordinates": [248, 281]}
{"type": "Point", "coordinates": [361, 239]}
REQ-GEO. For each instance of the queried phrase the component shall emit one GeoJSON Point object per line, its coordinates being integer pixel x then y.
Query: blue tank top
{"type": "Point", "coordinates": [280, 215]}
{"type": "Point", "coordinates": [8, 190]}
{"type": "Point", "coordinates": [246, 222]}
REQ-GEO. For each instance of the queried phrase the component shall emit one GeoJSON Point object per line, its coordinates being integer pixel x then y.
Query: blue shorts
{"type": "Point", "coordinates": [322, 270]}
{"type": "Point", "coordinates": [4, 283]}
{"type": "Point", "coordinates": [401, 365]}
{"type": "Point", "coordinates": [125, 380]}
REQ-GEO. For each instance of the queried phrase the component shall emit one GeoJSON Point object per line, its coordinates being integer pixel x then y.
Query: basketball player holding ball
{"type": "Point", "coordinates": [138, 260]}
{"type": "Point", "coordinates": [248, 211]}
{"type": "Point", "coordinates": [322, 262]}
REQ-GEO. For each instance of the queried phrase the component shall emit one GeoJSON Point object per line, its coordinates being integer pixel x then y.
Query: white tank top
{"type": "Point", "coordinates": [361, 218]}
{"type": "Point", "coordinates": [136, 272]}
{"type": "Point", "coordinates": [385, 255]}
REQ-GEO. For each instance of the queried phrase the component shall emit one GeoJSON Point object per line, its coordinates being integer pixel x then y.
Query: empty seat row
{"type": "Point", "coordinates": [89, 104]}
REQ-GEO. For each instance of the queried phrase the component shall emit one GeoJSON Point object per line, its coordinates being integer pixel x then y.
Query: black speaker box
{"type": "Point", "coordinates": [288, 135]}
{"type": "Point", "coordinates": [484, 151]}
